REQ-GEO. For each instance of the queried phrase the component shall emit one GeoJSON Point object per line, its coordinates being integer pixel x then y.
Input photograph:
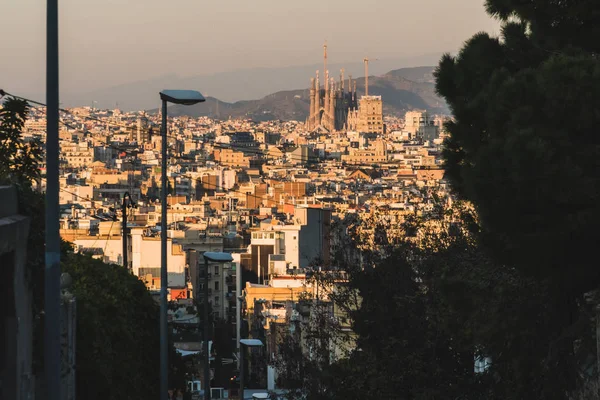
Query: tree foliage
{"type": "Point", "coordinates": [19, 158]}
{"type": "Point", "coordinates": [305, 351]}
{"type": "Point", "coordinates": [117, 331]}
{"type": "Point", "coordinates": [413, 339]}
{"type": "Point", "coordinates": [523, 149]}
{"type": "Point", "coordinates": [436, 302]}
{"type": "Point", "coordinates": [19, 166]}
{"type": "Point", "coordinates": [523, 146]}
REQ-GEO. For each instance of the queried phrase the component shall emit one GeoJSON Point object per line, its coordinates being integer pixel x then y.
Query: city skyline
{"type": "Point", "coordinates": [118, 44]}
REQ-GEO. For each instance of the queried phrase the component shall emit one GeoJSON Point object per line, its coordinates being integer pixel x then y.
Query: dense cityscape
{"type": "Point", "coordinates": [426, 233]}
{"type": "Point", "coordinates": [273, 194]}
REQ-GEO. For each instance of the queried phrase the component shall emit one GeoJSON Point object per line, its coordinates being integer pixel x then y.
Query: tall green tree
{"type": "Point", "coordinates": [419, 317]}
{"type": "Point", "coordinates": [523, 148]}
{"type": "Point", "coordinates": [117, 331]}
{"type": "Point", "coordinates": [414, 340]}
{"type": "Point", "coordinates": [19, 158]}
{"type": "Point", "coordinates": [19, 166]}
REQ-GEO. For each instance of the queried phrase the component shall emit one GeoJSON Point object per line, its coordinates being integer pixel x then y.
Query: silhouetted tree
{"type": "Point", "coordinates": [19, 158]}
{"type": "Point", "coordinates": [523, 148]}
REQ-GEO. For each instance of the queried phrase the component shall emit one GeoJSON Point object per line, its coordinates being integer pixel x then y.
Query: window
{"type": "Point", "coordinates": [217, 285]}
{"type": "Point", "coordinates": [216, 270]}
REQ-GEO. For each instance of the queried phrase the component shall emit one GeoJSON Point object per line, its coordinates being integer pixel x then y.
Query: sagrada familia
{"type": "Point", "coordinates": [331, 104]}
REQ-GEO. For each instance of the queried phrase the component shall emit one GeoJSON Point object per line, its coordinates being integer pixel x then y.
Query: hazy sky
{"type": "Point", "coordinates": [110, 42]}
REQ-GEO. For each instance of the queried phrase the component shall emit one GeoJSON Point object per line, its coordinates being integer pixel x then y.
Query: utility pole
{"type": "Point", "coordinates": [125, 249]}
{"type": "Point", "coordinates": [124, 206]}
{"type": "Point", "coordinates": [598, 340]}
{"type": "Point", "coordinates": [52, 357]}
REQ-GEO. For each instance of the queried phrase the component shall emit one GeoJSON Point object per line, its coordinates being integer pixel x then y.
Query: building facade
{"type": "Point", "coordinates": [421, 125]}
{"type": "Point", "coordinates": [330, 104]}
{"type": "Point", "coordinates": [369, 116]}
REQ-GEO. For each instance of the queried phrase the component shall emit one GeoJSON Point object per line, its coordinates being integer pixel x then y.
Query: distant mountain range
{"type": "Point", "coordinates": [230, 86]}
{"type": "Point", "coordinates": [401, 90]}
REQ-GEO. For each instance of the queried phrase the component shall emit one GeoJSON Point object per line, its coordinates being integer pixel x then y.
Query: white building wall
{"type": "Point", "coordinates": [291, 241]}
{"type": "Point", "coordinates": [112, 247]}
{"type": "Point", "coordinates": [145, 253]}
{"type": "Point", "coordinates": [289, 283]}
{"type": "Point", "coordinates": [228, 178]}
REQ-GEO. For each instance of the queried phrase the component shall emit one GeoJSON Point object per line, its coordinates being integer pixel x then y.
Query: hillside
{"type": "Point", "coordinates": [236, 84]}
{"type": "Point", "coordinates": [399, 94]}
{"type": "Point", "coordinates": [416, 74]}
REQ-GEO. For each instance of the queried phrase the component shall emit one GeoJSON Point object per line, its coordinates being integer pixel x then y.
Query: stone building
{"type": "Point", "coordinates": [369, 116]}
{"type": "Point", "coordinates": [329, 105]}
{"type": "Point", "coordinates": [335, 107]}
{"type": "Point", "coordinates": [421, 125]}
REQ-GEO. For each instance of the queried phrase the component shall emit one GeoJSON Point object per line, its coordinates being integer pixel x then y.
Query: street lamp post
{"type": "Point", "coordinates": [217, 258]}
{"type": "Point", "coordinates": [247, 343]}
{"type": "Point", "coordinates": [52, 360]}
{"type": "Point", "coordinates": [185, 97]}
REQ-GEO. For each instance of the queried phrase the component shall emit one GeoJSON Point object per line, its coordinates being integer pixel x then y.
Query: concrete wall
{"type": "Point", "coordinates": [16, 315]}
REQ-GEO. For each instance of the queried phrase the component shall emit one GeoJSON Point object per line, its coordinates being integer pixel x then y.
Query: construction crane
{"type": "Point", "coordinates": [366, 61]}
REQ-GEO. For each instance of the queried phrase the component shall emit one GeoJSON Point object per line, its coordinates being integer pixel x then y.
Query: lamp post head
{"type": "Point", "coordinates": [217, 257]}
{"type": "Point", "coordinates": [185, 97]}
{"type": "Point", "coordinates": [251, 342]}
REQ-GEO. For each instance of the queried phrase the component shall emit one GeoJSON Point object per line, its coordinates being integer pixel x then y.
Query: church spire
{"type": "Point", "coordinates": [325, 72]}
